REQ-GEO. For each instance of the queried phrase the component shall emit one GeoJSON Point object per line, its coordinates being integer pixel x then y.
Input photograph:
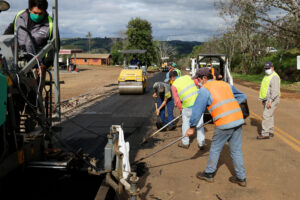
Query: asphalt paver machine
{"type": "Point", "coordinates": [27, 136]}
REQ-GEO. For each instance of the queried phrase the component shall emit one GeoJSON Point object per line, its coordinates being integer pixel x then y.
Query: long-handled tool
{"type": "Point", "coordinates": [153, 134]}
{"type": "Point", "coordinates": [158, 120]}
{"type": "Point", "coordinates": [171, 143]}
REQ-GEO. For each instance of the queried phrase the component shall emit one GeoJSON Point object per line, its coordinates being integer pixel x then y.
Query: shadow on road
{"type": "Point", "coordinates": [257, 123]}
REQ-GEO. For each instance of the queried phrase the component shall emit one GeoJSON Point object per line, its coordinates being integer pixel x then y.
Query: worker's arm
{"type": "Point", "coordinates": [239, 96]}
{"type": "Point", "coordinates": [164, 103]}
{"type": "Point", "coordinates": [176, 98]}
{"type": "Point", "coordinates": [203, 100]}
{"type": "Point", "coordinates": [274, 89]}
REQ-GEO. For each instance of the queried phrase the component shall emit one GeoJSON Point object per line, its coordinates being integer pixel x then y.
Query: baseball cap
{"type": "Point", "coordinates": [268, 65]}
{"type": "Point", "coordinates": [159, 87]}
{"type": "Point", "coordinates": [204, 71]}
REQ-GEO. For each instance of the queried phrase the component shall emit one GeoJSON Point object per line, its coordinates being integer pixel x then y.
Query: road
{"type": "Point", "coordinates": [272, 166]}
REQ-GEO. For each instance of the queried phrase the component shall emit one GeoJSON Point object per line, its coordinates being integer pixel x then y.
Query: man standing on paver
{"type": "Point", "coordinates": [222, 101]}
{"type": "Point", "coordinates": [185, 92]}
{"type": "Point", "coordinates": [270, 96]}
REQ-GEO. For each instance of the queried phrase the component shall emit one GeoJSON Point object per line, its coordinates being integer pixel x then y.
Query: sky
{"type": "Point", "coordinates": [186, 20]}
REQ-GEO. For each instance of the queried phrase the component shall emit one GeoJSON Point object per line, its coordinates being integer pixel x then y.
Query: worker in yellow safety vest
{"type": "Point", "coordinates": [270, 95]}
{"type": "Point", "coordinates": [222, 101]}
{"type": "Point", "coordinates": [185, 92]}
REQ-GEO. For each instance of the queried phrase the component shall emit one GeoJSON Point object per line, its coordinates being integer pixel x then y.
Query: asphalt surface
{"type": "Point", "coordinates": [87, 131]}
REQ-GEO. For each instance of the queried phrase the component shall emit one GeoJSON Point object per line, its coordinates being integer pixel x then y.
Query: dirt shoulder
{"type": "Point", "coordinates": [88, 79]}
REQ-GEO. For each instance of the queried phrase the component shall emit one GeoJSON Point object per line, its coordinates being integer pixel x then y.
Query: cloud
{"type": "Point", "coordinates": [191, 20]}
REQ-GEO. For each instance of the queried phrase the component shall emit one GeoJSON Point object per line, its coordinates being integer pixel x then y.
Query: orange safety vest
{"type": "Point", "coordinates": [224, 108]}
{"type": "Point", "coordinates": [213, 73]}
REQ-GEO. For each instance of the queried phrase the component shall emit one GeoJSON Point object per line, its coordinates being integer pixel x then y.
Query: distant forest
{"type": "Point", "coordinates": [104, 45]}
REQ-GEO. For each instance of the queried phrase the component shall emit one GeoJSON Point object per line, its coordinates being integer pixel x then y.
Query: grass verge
{"type": "Point", "coordinates": [257, 78]}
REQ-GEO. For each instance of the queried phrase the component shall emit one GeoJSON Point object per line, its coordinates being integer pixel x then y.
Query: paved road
{"type": "Point", "coordinates": [272, 166]}
{"type": "Point", "coordinates": [89, 129]}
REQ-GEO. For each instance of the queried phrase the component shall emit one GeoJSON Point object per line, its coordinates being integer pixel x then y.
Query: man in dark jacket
{"type": "Point", "coordinates": [38, 22]}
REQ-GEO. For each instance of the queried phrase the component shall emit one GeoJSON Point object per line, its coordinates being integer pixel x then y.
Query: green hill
{"type": "Point", "coordinates": [104, 45]}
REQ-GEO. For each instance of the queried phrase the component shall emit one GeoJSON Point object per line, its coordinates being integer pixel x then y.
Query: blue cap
{"type": "Point", "coordinates": [167, 78]}
{"type": "Point", "coordinates": [268, 65]}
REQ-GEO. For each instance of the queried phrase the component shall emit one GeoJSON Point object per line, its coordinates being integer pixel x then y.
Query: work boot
{"type": "Point", "coordinates": [260, 137]}
{"type": "Point", "coordinates": [240, 182]}
{"type": "Point", "coordinates": [183, 145]}
{"type": "Point", "coordinates": [172, 127]}
{"type": "Point", "coordinates": [209, 177]}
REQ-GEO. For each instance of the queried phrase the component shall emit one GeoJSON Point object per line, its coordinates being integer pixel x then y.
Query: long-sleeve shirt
{"type": "Point", "coordinates": [273, 93]}
{"type": "Point", "coordinates": [177, 100]}
{"type": "Point", "coordinates": [204, 99]}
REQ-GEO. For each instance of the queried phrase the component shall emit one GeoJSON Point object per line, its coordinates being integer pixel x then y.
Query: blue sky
{"type": "Point", "coordinates": [188, 20]}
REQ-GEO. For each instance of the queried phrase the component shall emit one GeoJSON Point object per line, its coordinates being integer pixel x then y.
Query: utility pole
{"type": "Point", "coordinates": [89, 36]}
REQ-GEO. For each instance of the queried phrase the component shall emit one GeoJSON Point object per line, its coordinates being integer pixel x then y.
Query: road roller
{"type": "Point", "coordinates": [133, 78]}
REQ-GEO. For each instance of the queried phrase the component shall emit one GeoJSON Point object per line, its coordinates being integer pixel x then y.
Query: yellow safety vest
{"type": "Point", "coordinates": [265, 85]}
{"type": "Point", "coordinates": [187, 90]}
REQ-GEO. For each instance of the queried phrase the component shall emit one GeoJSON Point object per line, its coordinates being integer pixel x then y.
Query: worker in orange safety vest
{"type": "Point", "coordinates": [222, 101]}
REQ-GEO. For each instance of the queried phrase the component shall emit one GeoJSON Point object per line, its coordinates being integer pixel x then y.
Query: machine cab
{"type": "Point", "coordinates": [218, 64]}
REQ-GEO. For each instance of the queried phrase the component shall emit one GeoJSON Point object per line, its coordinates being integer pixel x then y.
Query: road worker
{"type": "Point", "coordinates": [222, 101]}
{"type": "Point", "coordinates": [270, 96]}
{"type": "Point", "coordinates": [174, 67]}
{"type": "Point", "coordinates": [134, 61]}
{"type": "Point", "coordinates": [185, 92]}
{"type": "Point", "coordinates": [39, 24]}
{"type": "Point", "coordinates": [162, 92]}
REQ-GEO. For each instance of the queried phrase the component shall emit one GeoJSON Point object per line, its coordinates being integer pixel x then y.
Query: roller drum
{"type": "Point", "coordinates": [131, 87]}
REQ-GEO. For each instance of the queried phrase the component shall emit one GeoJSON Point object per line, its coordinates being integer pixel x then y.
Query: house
{"type": "Point", "coordinates": [91, 59]}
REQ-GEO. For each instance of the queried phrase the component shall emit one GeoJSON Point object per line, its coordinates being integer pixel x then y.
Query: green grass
{"type": "Point", "coordinates": [256, 78]}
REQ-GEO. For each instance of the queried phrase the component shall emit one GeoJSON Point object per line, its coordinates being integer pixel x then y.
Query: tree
{"type": "Point", "coordinates": [139, 35]}
{"type": "Point", "coordinates": [163, 49]}
{"type": "Point", "coordinates": [89, 36]}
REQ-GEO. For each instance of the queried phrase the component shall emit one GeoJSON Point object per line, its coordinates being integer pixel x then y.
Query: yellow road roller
{"type": "Point", "coordinates": [133, 78]}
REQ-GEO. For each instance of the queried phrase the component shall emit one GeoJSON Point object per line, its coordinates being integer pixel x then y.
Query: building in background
{"type": "Point", "coordinates": [91, 59]}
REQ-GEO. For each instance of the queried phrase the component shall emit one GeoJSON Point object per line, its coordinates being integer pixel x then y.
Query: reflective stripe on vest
{"type": "Point", "coordinates": [224, 108]}
{"type": "Point", "coordinates": [187, 90]}
{"type": "Point", "coordinates": [50, 26]}
{"type": "Point", "coordinates": [265, 84]}
{"type": "Point", "coordinates": [19, 13]}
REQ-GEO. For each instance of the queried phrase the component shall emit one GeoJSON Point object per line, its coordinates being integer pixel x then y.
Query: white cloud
{"type": "Point", "coordinates": [170, 19]}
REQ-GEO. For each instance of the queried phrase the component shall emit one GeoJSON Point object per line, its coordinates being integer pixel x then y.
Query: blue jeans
{"type": "Point", "coordinates": [234, 138]}
{"type": "Point", "coordinates": [186, 116]}
{"type": "Point", "coordinates": [170, 108]}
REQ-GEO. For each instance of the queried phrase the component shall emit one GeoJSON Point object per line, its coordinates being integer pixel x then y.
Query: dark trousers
{"type": "Point", "coordinates": [170, 108]}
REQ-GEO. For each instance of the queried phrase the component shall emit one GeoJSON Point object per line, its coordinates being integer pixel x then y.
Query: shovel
{"type": "Point", "coordinates": [158, 120]}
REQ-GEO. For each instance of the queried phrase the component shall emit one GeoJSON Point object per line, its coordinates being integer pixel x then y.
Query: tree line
{"type": "Point", "coordinates": [253, 26]}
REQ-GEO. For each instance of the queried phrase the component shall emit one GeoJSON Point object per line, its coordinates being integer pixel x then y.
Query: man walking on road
{"type": "Point", "coordinates": [270, 96]}
{"type": "Point", "coordinates": [222, 101]}
{"type": "Point", "coordinates": [162, 92]}
{"type": "Point", "coordinates": [185, 93]}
